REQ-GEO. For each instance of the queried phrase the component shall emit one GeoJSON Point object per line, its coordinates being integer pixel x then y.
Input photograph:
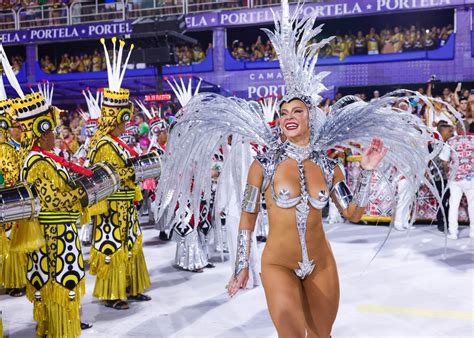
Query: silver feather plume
{"type": "Point", "coordinates": [203, 126]}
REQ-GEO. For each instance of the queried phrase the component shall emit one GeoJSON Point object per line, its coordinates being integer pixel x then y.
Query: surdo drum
{"type": "Point", "coordinates": [146, 166]}
{"type": "Point", "coordinates": [18, 202]}
{"type": "Point", "coordinates": [104, 182]}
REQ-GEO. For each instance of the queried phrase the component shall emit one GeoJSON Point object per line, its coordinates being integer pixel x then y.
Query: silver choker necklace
{"type": "Point", "coordinates": [298, 153]}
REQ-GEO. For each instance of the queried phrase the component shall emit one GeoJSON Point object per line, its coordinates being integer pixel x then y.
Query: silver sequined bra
{"type": "Point", "coordinates": [270, 162]}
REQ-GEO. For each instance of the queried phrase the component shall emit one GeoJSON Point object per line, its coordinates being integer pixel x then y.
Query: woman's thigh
{"type": "Point", "coordinates": [284, 294]}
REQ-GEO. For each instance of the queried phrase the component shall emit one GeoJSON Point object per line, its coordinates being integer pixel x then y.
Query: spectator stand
{"type": "Point", "coordinates": [444, 53]}
{"type": "Point", "coordinates": [49, 14]}
{"type": "Point", "coordinates": [8, 19]}
{"type": "Point", "coordinates": [81, 12]}
{"type": "Point", "coordinates": [206, 65]}
{"type": "Point", "coordinates": [197, 6]}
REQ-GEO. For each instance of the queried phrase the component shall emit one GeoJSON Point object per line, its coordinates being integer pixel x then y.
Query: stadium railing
{"type": "Point", "coordinates": [42, 16]}
{"type": "Point", "coordinates": [78, 11]}
{"type": "Point", "coordinates": [8, 20]}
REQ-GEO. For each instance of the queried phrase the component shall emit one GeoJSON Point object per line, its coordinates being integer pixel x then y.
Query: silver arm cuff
{"type": "Point", "coordinates": [244, 239]}
{"type": "Point", "coordinates": [362, 189]}
{"type": "Point", "coordinates": [341, 195]}
{"type": "Point", "coordinates": [250, 199]}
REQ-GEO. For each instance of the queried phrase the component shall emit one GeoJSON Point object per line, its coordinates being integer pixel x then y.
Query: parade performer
{"type": "Point", "coordinates": [55, 272]}
{"type": "Point", "coordinates": [91, 118]}
{"type": "Point", "coordinates": [117, 258]}
{"type": "Point", "coordinates": [12, 264]}
{"type": "Point", "coordinates": [299, 272]}
{"type": "Point", "coordinates": [158, 134]}
{"type": "Point", "coordinates": [190, 254]}
{"type": "Point", "coordinates": [130, 137]}
{"type": "Point", "coordinates": [158, 128]}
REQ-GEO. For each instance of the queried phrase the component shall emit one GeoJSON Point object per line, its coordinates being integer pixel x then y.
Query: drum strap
{"type": "Point", "coordinates": [132, 152]}
{"type": "Point", "coordinates": [61, 160]}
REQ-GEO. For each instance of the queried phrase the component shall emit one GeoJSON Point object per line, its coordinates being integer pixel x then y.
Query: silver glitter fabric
{"type": "Point", "coordinates": [244, 239]}
{"type": "Point", "coordinates": [362, 189]}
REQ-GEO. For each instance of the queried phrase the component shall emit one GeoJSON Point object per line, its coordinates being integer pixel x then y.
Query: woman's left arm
{"type": "Point", "coordinates": [352, 204]}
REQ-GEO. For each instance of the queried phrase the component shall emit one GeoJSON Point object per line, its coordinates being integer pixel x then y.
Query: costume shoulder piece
{"type": "Point", "coordinates": [115, 149]}
{"type": "Point", "coordinates": [327, 165]}
{"type": "Point", "coordinates": [269, 160]}
{"type": "Point", "coordinates": [47, 167]}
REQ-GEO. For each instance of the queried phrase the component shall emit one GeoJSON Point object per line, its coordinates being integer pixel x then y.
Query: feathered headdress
{"type": "Point", "coordinates": [116, 106]}
{"type": "Point", "coordinates": [269, 106]}
{"type": "Point", "coordinates": [47, 90]}
{"type": "Point", "coordinates": [183, 92]}
{"type": "Point", "coordinates": [94, 103]}
{"type": "Point", "coordinates": [294, 41]}
{"type": "Point", "coordinates": [155, 120]}
{"type": "Point", "coordinates": [5, 102]}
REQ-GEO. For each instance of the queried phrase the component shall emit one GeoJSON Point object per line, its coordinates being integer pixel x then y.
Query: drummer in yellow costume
{"type": "Point", "coordinates": [117, 257]}
{"type": "Point", "coordinates": [12, 264]}
{"type": "Point", "coordinates": [55, 272]}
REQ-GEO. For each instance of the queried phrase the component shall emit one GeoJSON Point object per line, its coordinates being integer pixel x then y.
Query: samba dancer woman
{"type": "Point", "coordinates": [298, 268]}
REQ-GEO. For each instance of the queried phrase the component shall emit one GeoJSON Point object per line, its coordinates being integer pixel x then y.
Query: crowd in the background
{"type": "Point", "coordinates": [396, 40]}
{"type": "Point", "coordinates": [68, 63]}
{"type": "Point", "coordinates": [258, 51]}
{"type": "Point", "coordinates": [95, 61]}
{"type": "Point", "coordinates": [16, 62]}
{"type": "Point", "coordinates": [186, 55]}
{"type": "Point", "coordinates": [14, 4]}
{"type": "Point", "coordinates": [460, 98]}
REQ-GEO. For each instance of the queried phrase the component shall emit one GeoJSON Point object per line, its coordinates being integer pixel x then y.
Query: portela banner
{"type": "Point", "coordinates": [74, 32]}
{"type": "Point", "coordinates": [327, 9]}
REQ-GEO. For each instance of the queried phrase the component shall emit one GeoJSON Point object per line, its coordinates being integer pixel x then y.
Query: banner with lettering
{"type": "Point", "coordinates": [327, 9]}
{"type": "Point", "coordinates": [73, 32]}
